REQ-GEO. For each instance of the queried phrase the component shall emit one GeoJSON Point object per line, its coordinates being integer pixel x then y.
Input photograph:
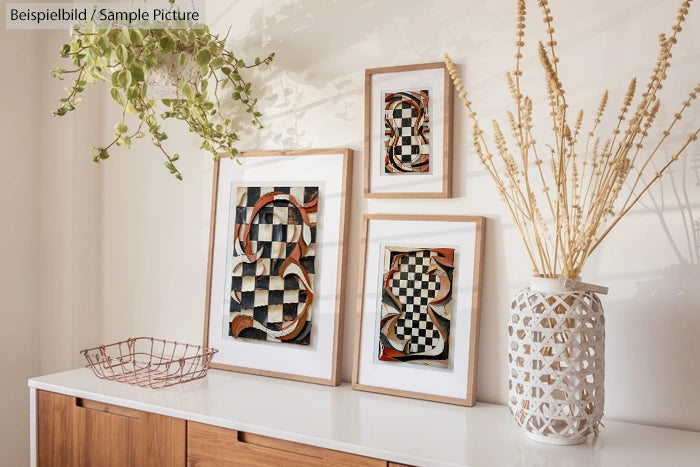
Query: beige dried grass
{"type": "Point", "coordinates": [588, 182]}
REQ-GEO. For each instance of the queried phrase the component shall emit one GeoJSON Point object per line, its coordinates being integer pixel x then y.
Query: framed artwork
{"type": "Point", "coordinates": [408, 132]}
{"type": "Point", "coordinates": [418, 307]}
{"type": "Point", "coordinates": [276, 254]}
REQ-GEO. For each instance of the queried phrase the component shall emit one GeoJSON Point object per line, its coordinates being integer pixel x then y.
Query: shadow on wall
{"type": "Point", "coordinates": [676, 201]}
{"type": "Point", "coordinates": [308, 79]}
{"type": "Point", "coordinates": [323, 48]}
{"type": "Point", "coordinates": [661, 320]}
{"type": "Point", "coordinates": [661, 323]}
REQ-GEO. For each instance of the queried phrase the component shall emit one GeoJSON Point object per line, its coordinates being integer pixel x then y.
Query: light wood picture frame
{"type": "Point", "coordinates": [423, 94]}
{"type": "Point", "coordinates": [394, 350]}
{"type": "Point", "coordinates": [274, 305]}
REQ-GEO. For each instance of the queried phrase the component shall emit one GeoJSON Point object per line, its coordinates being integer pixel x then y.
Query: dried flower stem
{"type": "Point", "coordinates": [586, 192]}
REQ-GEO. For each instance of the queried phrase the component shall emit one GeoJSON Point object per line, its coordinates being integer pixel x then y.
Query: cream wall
{"type": "Point", "coordinates": [70, 230]}
{"type": "Point", "coordinates": [124, 246]}
{"type": "Point", "coordinates": [155, 229]}
{"type": "Point", "coordinates": [19, 255]}
{"type": "Point", "coordinates": [50, 276]}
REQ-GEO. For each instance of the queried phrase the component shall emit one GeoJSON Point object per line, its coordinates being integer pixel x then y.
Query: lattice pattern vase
{"type": "Point", "coordinates": [556, 362]}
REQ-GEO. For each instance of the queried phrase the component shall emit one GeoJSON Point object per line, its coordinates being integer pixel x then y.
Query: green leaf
{"type": "Point", "coordinates": [65, 49]}
{"type": "Point", "coordinates": [217, 62]}
{"type": "Point", "coordinates": [136, 36]}
{"type": "Point", "coordinates": [115, 78]}
{"type": "Point", "coordinates": [204, 85]}
{"type": "Point", "coordinates": [150, 60]}
{"type": "Point", "coordinates": [183, 57]}
{"type": "Point", "coordinates": [125, 37]}
{"type": "Point", "coordinates": [121, 128]}
{"type": "Point", "coordinates": [166, 44]}
{"type": "Point", "coordinates": [103, 154]}
{"type": "Point", "coordinates": [124, 78]}
{"type": "Point", "coordinates": [122, 53]}
{"type": "Point", "coordinates": [187, 91]}
{"type": "Point", "coordinates": [137, 71]}
{"type": "Point", "coordinates": [117, 96]}
{"type": "Point", "coordinates": [202, 57]}
{"type": "Point", "coordinates": [104, 44]}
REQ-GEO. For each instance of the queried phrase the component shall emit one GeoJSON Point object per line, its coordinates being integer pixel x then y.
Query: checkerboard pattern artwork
{"type": "Point", "coordinates": [416, 299]}
{"type": "Point", "coordinates": [273, 263]}
{"type": "Point", "coordinates": [406, 129]}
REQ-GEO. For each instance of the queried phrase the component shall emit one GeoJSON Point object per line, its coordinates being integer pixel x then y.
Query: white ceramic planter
{"type": "Point", "coordinates": [556, 362]}
{"type": "Point", "coordinates": [163, 79]}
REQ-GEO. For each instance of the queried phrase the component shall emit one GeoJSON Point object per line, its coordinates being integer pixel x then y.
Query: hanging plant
{"type": "Point", "coordinates": [194, 62]}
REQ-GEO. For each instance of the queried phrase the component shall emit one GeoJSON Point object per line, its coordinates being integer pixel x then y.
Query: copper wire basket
{"type": "Point", "coordinates": [146, 361]}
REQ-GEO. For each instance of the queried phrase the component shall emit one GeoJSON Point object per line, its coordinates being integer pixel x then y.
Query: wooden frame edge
{"type": "Point", "coordinates": [448, 119]}
{"type": "Point", "coordinates": [210, 251]}
{"type": "Point", "coordinates": [411, 394]}
{"type": "Point", "coordinates": [368, 130]}
{"type": "Point", "coordinates": [448, 123]}
{"type": "Point", "coordinates": [470, 395]}
{"type": "Point", "coordinates": [476, 311]}
{"type": "Point", "coordinates": [334, 379]}
{"type": "Point", "coordinates": [340, 288]}
{"type": "Point", "coordinates": [273, 374]}
{"type": "Point", "coordinates": [360, 301]}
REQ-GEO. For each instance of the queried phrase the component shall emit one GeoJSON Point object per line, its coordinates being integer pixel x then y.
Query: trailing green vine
{"type": "Point", "coordinates": [126, 56]}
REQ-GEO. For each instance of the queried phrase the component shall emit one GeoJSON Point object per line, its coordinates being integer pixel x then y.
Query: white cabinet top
{"type": "Point", "coordinates": [386, 427]}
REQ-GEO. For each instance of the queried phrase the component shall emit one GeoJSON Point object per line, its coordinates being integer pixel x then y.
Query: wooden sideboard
{"type": "Point", "coordinates": [230, 418]}
{"type": "Point", "coordinates": [73, 431]}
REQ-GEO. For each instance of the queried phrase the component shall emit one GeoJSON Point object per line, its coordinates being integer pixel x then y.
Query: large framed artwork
{"type": "Point", "coordinates": [418, 307]}
{"type": "Point", "coordinates": [276, 255]}
{"type": "Point", "coordinates": [408, 132]}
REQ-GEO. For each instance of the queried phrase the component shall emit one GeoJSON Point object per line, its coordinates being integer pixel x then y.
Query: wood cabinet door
{"type": "Point", "coordinates": [79, 432]}
{"type": "Point", "coordinates": [211, 446]}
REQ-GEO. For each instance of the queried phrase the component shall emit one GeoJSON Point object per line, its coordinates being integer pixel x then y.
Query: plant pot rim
{"type": "Point", "coordinates": [550, 284]}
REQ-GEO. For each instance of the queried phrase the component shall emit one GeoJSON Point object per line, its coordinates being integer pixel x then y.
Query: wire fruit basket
{"type": "Point", "coordinates": [146, 361]}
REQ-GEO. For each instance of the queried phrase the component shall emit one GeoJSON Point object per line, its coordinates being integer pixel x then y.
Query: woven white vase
{"type": "Point", "coordinates": [556, 362]}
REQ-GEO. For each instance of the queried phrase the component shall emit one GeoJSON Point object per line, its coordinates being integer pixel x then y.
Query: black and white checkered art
{"type": "Point", "coordinates": [406, 128]}
{"type": "Point", "coordinates": [273, 263]}
{"type": "Point", "coordinates": [415, 287]}
{"type": "Point", "coordinates": [416, 298]}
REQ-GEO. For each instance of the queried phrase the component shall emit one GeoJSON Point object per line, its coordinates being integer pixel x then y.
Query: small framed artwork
{"type": "Point", "coordinates": [408, 132]}
{"type": "Point", "coordinates": [418, 307]}
{"type": "Point", "coordinates": [276, 255]}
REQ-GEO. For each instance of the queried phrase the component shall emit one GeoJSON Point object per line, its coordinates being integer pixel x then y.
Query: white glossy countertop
{"type": "Point", "coordinates": [386, 427]}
